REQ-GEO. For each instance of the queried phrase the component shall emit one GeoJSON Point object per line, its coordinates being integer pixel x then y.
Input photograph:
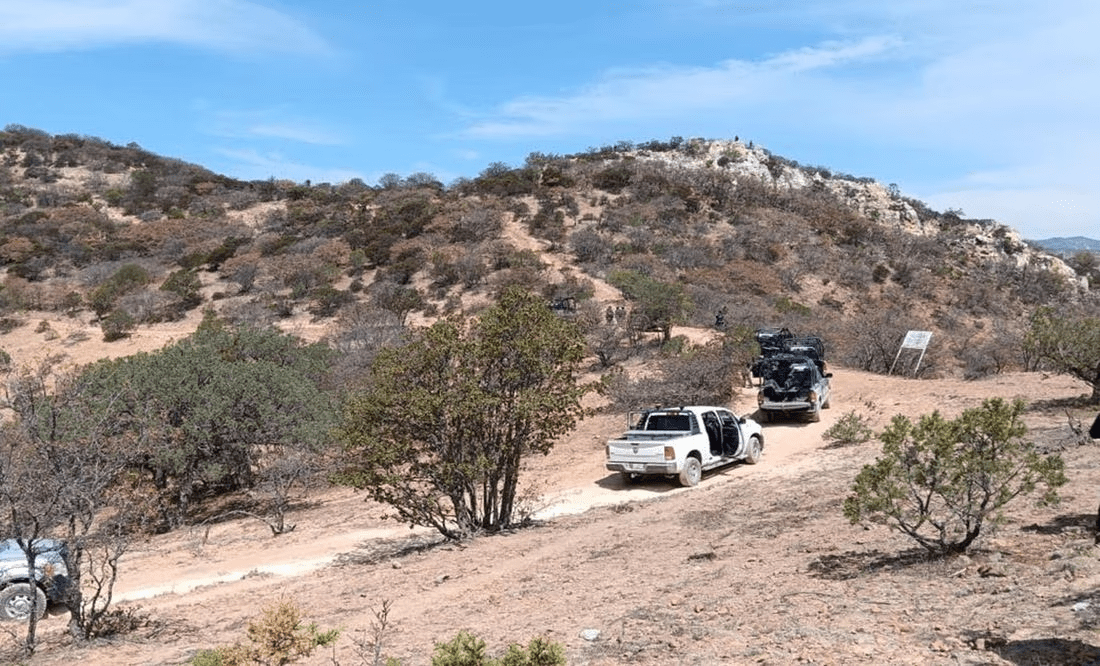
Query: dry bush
{"type": "Point", "coordinates": [705, 374]}
{"type": "Point", "coordinates": [592, 247]}
{"type": "Point", "coordinates": [476, 225]}
{"type": "Point", "coordinates": [870, 341]}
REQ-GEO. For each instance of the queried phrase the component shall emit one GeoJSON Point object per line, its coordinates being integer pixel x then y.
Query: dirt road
{"type": "Point", "coordinates": [755, 565]}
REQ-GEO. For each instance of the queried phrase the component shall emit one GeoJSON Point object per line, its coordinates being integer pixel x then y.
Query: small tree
{"type": "Point", "coordinates": [441, 432]}
{"type": "Point", "coordinates": [850, 428]}
{"type": "Point", "coordinates": [657, 305]}
{"type": "Point", "coordinates": [938, 481]}
{"type": "Point", "coordinates": [59, 474]}
{"type": "Point", "coordinates": [1068, 343]}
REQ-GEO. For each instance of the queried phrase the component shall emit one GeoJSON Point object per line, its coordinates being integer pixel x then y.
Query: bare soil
{"type": "Point", "coordinates": [756, 565]}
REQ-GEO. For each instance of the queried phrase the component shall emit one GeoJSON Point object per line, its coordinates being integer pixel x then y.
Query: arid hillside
{"type": "Point", "coordinates": [121, 241]}
{"type": "Point", "coordinates": [666, 255]}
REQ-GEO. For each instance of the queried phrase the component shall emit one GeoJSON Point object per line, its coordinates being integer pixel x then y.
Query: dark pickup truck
{"type": "Point", "coordinates": [792, 374]}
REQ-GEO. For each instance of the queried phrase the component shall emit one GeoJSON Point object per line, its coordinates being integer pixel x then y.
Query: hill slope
{"type": "Point", "coordinates": [729, 226]}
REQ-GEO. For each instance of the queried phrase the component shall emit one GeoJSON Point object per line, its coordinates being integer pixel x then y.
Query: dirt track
{"type": "Point", "coordinates": [756, 565]}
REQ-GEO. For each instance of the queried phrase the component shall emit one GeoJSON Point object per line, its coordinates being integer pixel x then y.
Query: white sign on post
{"type": "Point", "coordinates": [914, 340]}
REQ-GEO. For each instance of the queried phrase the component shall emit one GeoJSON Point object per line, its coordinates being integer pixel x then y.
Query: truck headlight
{"type": "Point", "coordinates": [760, 398]}
{"type": "Point", "coordinates": [670, 453]}
{"type": "Point", "coordinates": [812, 397]}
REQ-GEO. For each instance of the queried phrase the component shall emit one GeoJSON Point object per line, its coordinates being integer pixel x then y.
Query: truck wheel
{"type": "Point", "coordinates": [756, 449]}
{"type": "Point", "coordinates": [692, 473]}
{"type": "Point", "coordinates": [16, 600]}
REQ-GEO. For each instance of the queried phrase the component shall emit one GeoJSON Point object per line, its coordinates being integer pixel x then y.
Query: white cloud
{"type": "Point", "coordinates": [270, 123]}
{"type": "Point", "coordinates": [238, 26]}
{"type": "Point", "coordinates": [256, 165]}
{"type": "Point", "coordinates": [1039, 199]}
{"type": "Point", "coordinates": [667, 91]}
{"type": "Point", "coordinates": [295, 132]}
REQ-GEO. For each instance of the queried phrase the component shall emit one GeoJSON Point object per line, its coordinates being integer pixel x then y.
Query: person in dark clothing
{"type": "Point", "coordinates": [1094, 432]}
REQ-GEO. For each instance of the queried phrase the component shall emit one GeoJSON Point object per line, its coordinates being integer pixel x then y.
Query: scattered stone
{"type": "Point", "coordinates": [590, 634]}
{"type": "Point", "coordinates": [996, 570]}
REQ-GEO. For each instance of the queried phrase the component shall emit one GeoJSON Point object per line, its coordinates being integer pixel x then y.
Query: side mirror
{"type": "Point", "coordinates": [828, 374]}
{"type": "Point", "coordinates": [741, 420]}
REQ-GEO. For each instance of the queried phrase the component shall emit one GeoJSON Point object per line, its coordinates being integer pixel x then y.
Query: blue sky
{"type": "Point", "coordinates": [986, 106]}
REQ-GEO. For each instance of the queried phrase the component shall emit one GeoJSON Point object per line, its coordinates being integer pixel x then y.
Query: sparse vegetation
{"type": "Point", "coordinates": [466, 649]}
{"type": "Point", "coordinates": [850, 428]}
{"type": "Point", "coordinates": [940, 481]}
{"type": "Point", "coordinates": [672, 236]}
{"type": "Point", "coordinates": [279, 636]}
{"type": "Point", "coordinates": [1068, 342]}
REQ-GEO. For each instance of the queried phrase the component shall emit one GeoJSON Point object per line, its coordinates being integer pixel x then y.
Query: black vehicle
{"type": "Point", "coordinates": [792, 373]}
{"type": "Point", "coordinates": [792, 384]}
{"type": "Point", "coordinates": [778, 341]}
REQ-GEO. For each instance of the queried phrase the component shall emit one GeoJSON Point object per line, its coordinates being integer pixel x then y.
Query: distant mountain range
{"type": "Point", "coordinates": [1071, 244]}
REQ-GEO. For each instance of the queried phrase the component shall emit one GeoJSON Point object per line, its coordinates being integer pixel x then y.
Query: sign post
{"type": "Point", "coordinates": [916, 340]}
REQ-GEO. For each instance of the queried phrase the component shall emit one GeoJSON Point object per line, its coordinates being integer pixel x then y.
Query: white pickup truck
{"type": "Point", "coordinates": [683, 442]}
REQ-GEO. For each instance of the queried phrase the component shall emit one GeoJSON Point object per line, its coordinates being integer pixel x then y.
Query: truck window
{"type": "Point", "coordinates": [668, 422]}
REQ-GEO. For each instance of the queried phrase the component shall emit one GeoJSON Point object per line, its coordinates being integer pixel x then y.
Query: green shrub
{"type": "Point", "coordinates": [940, 481]}
{"type": "Point", "coordinates": [117, 325]}
{"type": "Point", "coordinates": [126, 279]}
{"type": "Point", "coordinates": [539, 652]}
{"type": "Point", "coordinates": [465, 649]}
{"type": "Point", "coordinates": [326, 300]}
{"type": "Point", "coordinates": [186, 285]}
{"type": "Point", "coordinates": [277, 637]}
{"type": "Point", "coordinates": [785, 305]}
{"type": "Point", "coordinates": [219, 656]}
{"type": "Point", "coordinates": [851, 428]}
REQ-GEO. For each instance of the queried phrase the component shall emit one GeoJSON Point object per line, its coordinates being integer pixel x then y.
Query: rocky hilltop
{"type": "Point", "coordinates": [988, 240]}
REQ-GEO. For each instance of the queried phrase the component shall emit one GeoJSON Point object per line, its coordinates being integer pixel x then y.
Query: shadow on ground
{"type": "Point", "coordinates": [1046, 652]}
{"type": "Point", "coordinates": [850, 564]}
{"type": "Point", "coordinates": [1065, 522]}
